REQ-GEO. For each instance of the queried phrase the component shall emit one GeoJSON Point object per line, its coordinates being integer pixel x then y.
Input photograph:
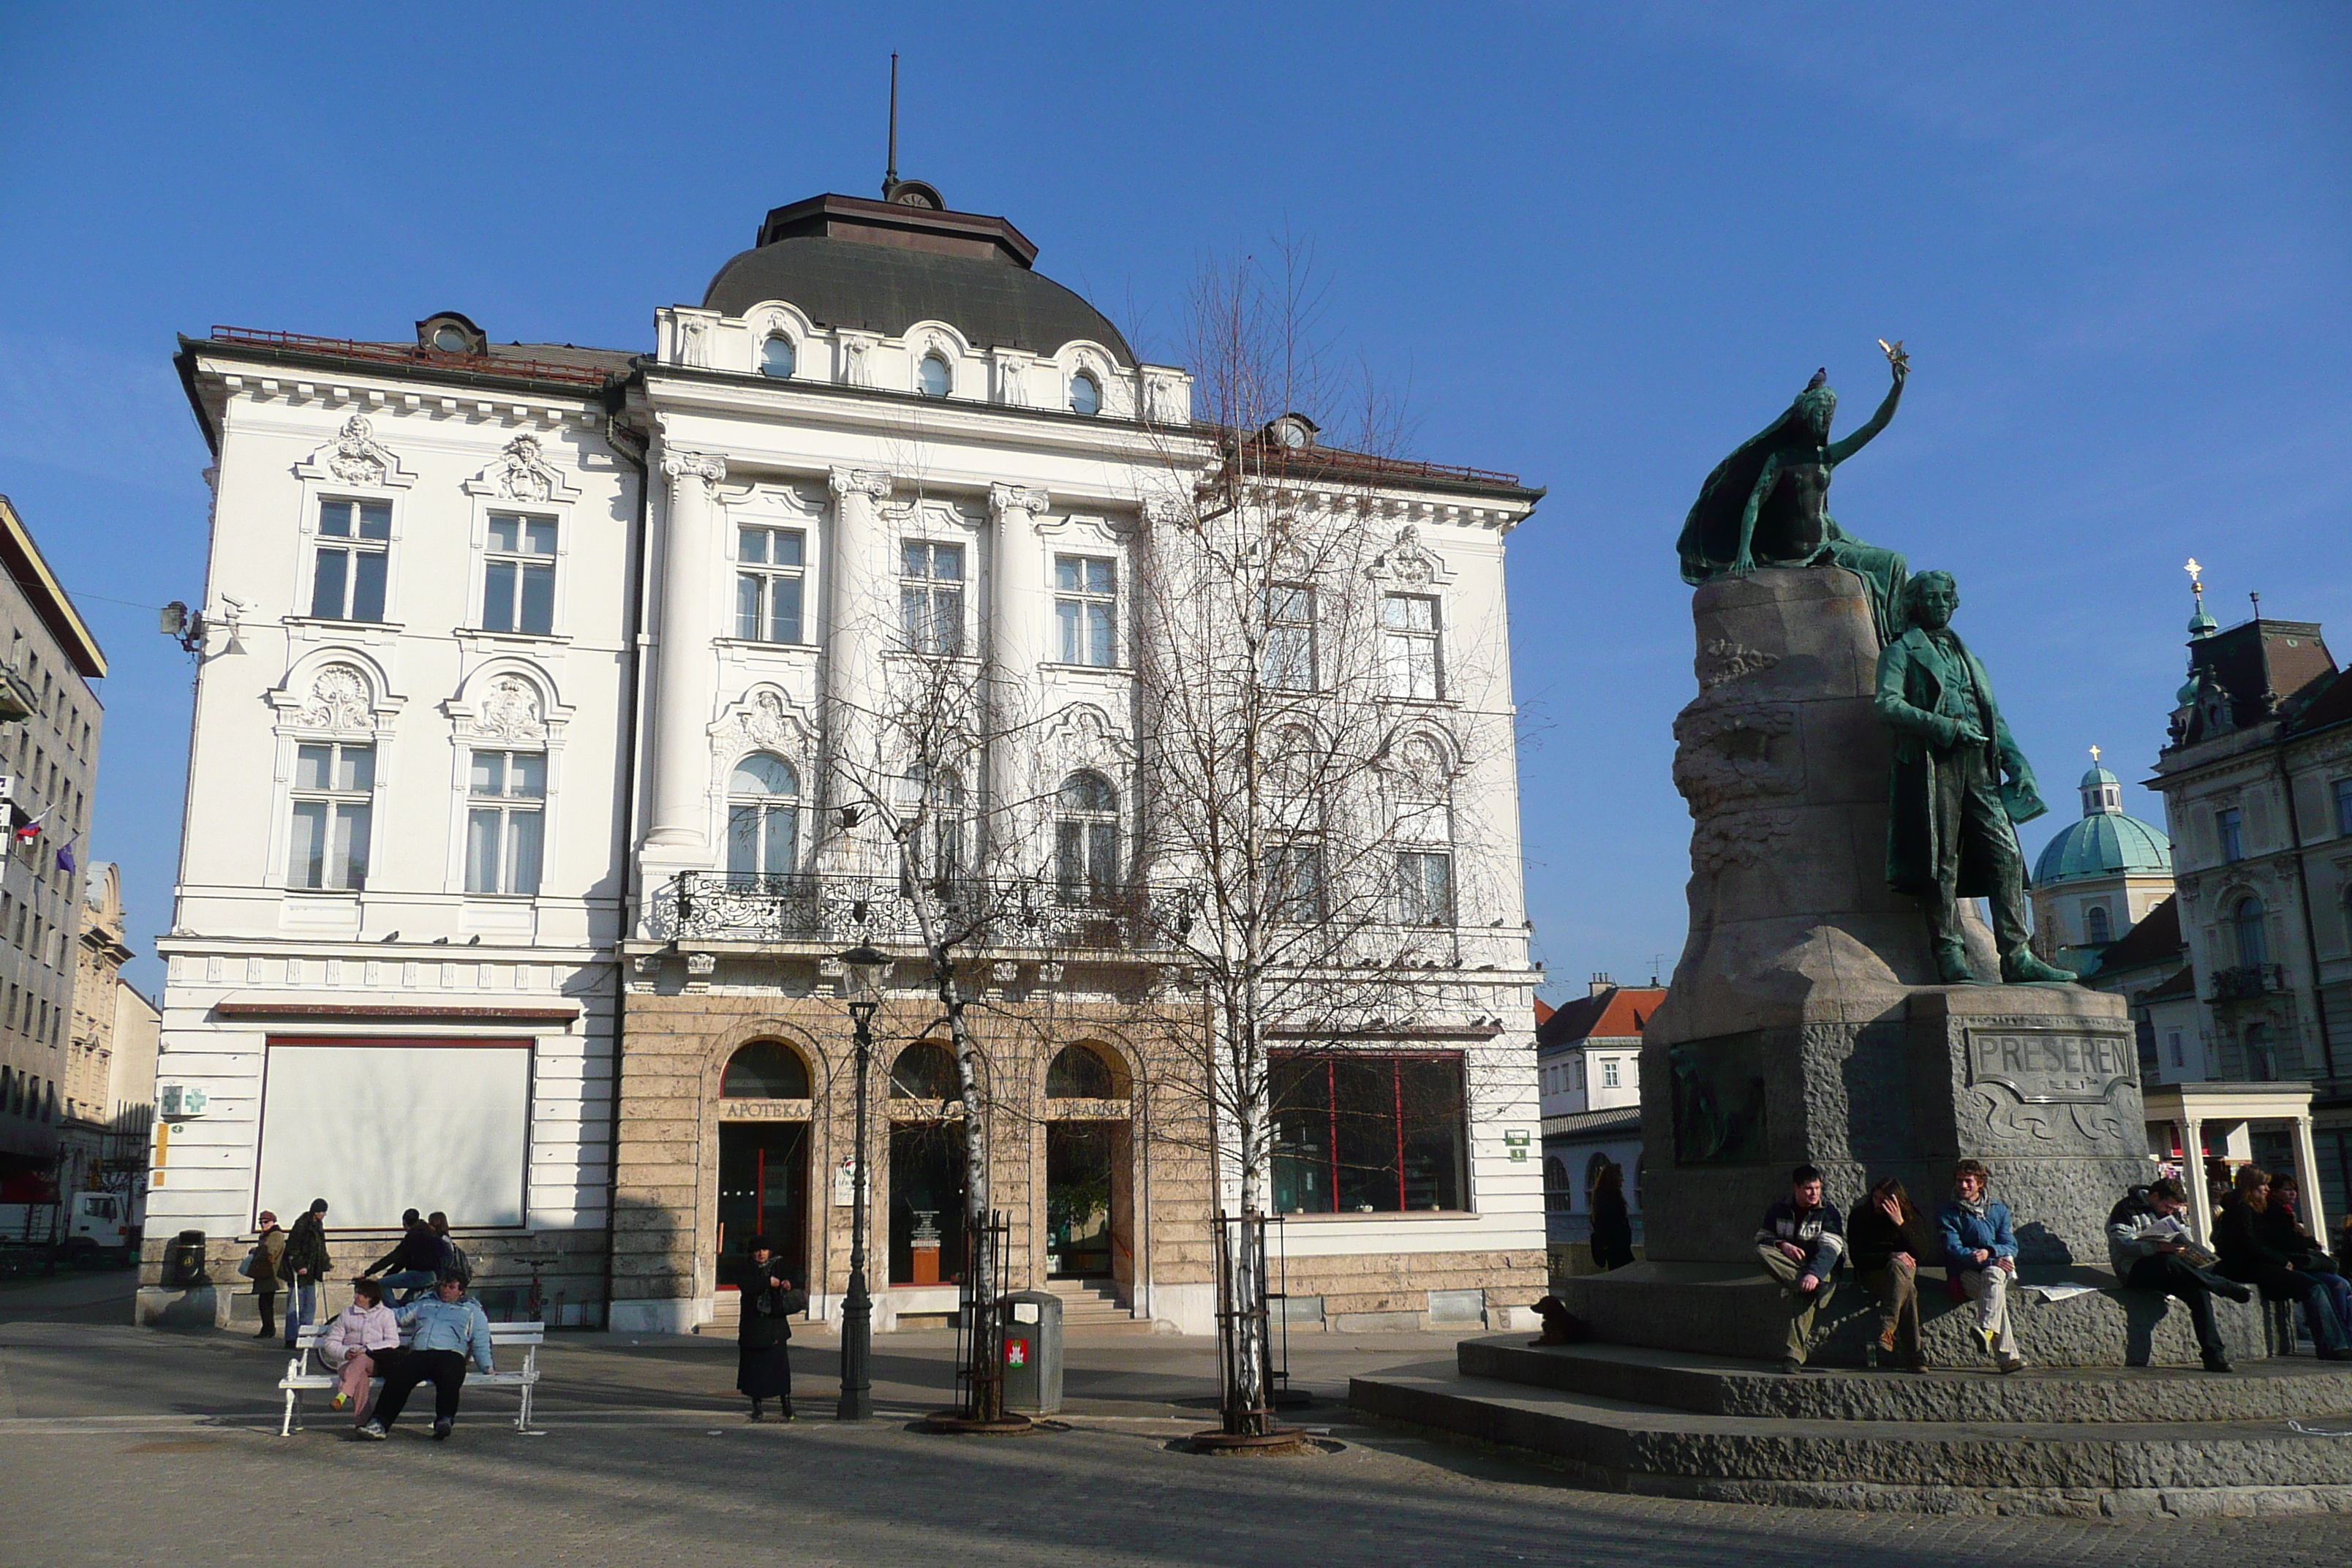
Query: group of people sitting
{"type": "Point", "coordinates": [2260, 1244]}
{"type": "Point", "coordinates": [447, 1330]}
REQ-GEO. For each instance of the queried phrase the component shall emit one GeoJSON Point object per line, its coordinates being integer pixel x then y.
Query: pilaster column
{"type": "Point", "coordinates": [858, 626]}
{"type": "Point", "coordinates": [2306, 1159]}
{"type": "Point", "coordinates": [2192, 1173]}
{"type": "Point", "coordinates": [1019, 639]}
{"type": "Point", "coordinates": [683, 667]}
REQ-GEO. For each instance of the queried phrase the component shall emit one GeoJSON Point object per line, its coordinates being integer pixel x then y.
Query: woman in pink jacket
{"type": "Point", "coordinates": [355, 1344]}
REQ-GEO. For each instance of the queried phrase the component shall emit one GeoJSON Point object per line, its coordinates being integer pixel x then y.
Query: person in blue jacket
{"type": "Point", "coordinates": [1980, 1252]}
{"type": "Point", "coordinates": [450, 1329]}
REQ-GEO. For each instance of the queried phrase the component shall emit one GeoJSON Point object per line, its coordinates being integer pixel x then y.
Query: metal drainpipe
{"type": "Point", "coordinates": [623, 836]}
{"type": "Point", "coordinates": [2310, 932]}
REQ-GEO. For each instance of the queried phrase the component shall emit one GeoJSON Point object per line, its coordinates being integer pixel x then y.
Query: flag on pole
{"type": "Point", "coordinates": [66, 857]}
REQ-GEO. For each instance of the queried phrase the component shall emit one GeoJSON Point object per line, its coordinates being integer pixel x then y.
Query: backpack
{"type": "Point", "coordinates": [453, 1257]}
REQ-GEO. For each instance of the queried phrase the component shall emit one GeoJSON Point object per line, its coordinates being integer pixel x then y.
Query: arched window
{"type": "Point", "coordinates": [2261, 1062]}
{"type": "Point", "coordinates": [1558, 1197]}
{"type": "Point", "coordinates": [763, 797]}
{"type": "Point", "coordinates": [1085, 394]}
{"type": "Point", "coordinates": [932, 377]}
{"type": "Point", "coordinates": [1086, 839]}
{"type": "Point", "coordinates": [764, 1069]}
{"type": "Point", "coordinates": [1425, 835]}
{"type": "Point", "coordinates": [2253, 944]}
{"type": "Point", "coordinates": [776, 357]}
{"type": "Point", "coordinates": [925, 1070]}
{"type": "Point", "coordinates": [2094, 920]}
{"type": "Point", "coordinates": [1079, 1073]}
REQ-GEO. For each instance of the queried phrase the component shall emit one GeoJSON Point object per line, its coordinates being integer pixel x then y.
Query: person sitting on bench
{"type": "Point", "coordinates": [364, 1336]}
{"type": "Point", "coordinates": [2149, 1250]}
{"type": "Point", "coordinates": [450, 1326]}
{"type": "Point", "coordinates": [1802, 1241]}
{"type": "Point", "coordinates": [1980, 1252]}
{"type": "Point", "coordinates": [2249, 1258]}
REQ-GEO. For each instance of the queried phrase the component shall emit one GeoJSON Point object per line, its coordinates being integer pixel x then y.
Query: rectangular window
{"type": "Point", "coordinates": [1608, 1072]}
{"type": "Point", "coordinates": [1425, 889]}
{"type": "Point", "coordinates": [1086, 605]}
{"type": "Point", "coordinates": [2179, 1058]}
{"type": "Point", "coordinates": [519, 576]}
{"type": "Point", "coordinates": [767, 572]}
{"type": "Point", "coordinates": [2344, 806]}
{"type": "Point", "coordinates": [2227, 825]}
{"type": "Point", "coordinates": [1294, 883]}
{"type": "Point", "coordinates": [1360, 1133]}
{"type": "Point", "coordinates": [930, 598]}
{"type": "Point", "coordinates": [1086, 860]}
{"type": "Point", "coordinates": [335, 787]}
{"type": "Point", "coordinates": [347, 574]}
{"type": "Point", "coordinates": [1289, 655]}
{"type": "Point", "coordinates": [505, 816]}
{"type": "Point", "coordinates": [1411, 622]}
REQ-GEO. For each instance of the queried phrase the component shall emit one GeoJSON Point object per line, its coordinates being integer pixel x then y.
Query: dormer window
{"type": "Point", "coordinates": [1085, 394]}
{"type": "Point", "coordinates": [449, 332]}
{"type": "Point", "coordinates": [776, 358]}
{"type": "Point", "coordinates": [448, 339]}
{"type": "Point", "coordinates": [1292, 432]}
{"type": "Point", "coordinates": [932, 377]}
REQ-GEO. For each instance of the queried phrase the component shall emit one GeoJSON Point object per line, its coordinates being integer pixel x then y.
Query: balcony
{"type": "Point", "coordinates": [1027, 915]}
{"type": "Point", "coordinates": [2245, 982]}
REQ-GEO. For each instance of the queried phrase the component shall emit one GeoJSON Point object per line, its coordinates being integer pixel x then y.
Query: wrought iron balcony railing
{"type": "Point", "coordinates": [2245, 981]}
{"type": "Point", "coordinates": [973, 913]}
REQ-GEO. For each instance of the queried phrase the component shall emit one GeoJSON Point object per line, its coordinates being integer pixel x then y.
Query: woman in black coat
{"type": "Point", "coordinates": [1612, 1226]}
{"type": "Point", "coordinates": [2249, 1258]}
{"type": "Point", "coordinates": [763, 1369]}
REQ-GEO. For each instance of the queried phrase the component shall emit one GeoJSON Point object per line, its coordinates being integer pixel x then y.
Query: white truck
{"type": "Point", "coordinates": [87, 1222]}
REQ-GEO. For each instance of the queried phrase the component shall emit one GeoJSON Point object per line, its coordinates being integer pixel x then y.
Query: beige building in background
{"type": "Point", "coordinates": [110, 1050]}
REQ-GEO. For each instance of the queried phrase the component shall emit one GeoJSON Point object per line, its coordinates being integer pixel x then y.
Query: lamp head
{"type": "Point", "coordinates": [864, 965]}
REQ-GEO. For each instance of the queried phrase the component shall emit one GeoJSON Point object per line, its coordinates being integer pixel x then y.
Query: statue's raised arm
{"type": "Point", "coordinates": [1900, 364]}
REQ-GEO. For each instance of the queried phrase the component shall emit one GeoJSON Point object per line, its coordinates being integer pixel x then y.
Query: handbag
{"type": "Point", "coordinates": [246, 1264]}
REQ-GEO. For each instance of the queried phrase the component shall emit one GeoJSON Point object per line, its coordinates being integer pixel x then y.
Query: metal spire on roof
{"type": "Point", "coordinates": [890, 175]}
{"type": "Point", "coordinates": [2201, 625]}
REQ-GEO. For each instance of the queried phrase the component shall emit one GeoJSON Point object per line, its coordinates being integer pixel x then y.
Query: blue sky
{"type": "Point", "coordinates": [1595, 247]}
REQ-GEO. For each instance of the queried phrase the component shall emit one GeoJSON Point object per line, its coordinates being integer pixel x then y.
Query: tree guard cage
{"type": "Point", "coordinates": [979, 1336]}
{"type": "Point", "coordinates": [1246, 1375]}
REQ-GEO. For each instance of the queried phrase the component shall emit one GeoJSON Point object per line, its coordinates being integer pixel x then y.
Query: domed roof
{"type": "Point", "coordinates": [2106, 844]}
{"type": "Point", "coordinates": [2097, 776]}
{"type": "Point", "coordinates": [881, 267]}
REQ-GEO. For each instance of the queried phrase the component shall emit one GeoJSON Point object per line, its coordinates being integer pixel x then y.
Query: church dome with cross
{"type": "Point", "coordinates": [2099, 877]}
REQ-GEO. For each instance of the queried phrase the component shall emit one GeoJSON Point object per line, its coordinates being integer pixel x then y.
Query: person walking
{"type": "Point", "coordinates": [415, 1263]}
{"type": "Point", "coordinates": [1801, 1242]}
{"type": "Point", "coordinates": [1885, 1237]}
{"type": "Point", "coordinates": [261, 1265]}
{"type": "Point", "coordinates": [2248, 1256]}
{"type": "Point", "coordinates": [451, 1328]}
{"type": "Point", "coordinates": [1612, 1224]}
{"type": "Point", "coordinates": [763, 1368]}
{"type": "Point", "coordinates": [1981, 1250]}
{"type": "Point", "coordinates": [2149, 1251]}
{"type": "Point", "coordinates": [303, 1265]}
{"type": "Point", "coordinates": [363, 1337]}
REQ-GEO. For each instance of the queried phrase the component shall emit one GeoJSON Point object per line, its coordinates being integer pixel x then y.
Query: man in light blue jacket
{"type": "Point", "coordinates": [450, 1328]}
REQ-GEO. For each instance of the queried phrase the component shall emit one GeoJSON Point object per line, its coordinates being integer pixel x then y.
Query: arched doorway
{"type": "Point", "coordinates": [927, 1168]}
{"type": "Point", "coordinates": [763, 1158]}
{"type": "Point", "coordinates": [1087, 1155]}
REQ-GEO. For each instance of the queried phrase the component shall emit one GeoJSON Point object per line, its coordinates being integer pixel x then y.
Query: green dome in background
{"type": "Point", "coordinates": [2105, 843]}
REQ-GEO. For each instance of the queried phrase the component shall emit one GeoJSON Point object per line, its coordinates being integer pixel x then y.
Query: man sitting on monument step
{"type": "Point", "coordinates": [1801, 1242]}
{"type": "Point", "coordinates": [1981, 1254]}
{"type": "Point", "coordinates": [2150, 1251]}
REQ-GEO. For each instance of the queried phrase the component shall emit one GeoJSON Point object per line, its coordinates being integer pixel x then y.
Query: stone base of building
{"type": "Point", "coordinates": [185, 1306]}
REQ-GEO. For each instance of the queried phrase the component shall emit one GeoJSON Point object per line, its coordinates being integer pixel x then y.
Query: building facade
{"type": "Point", "coordinates": [110, 1065]}
{"type": "Point", "coordinates": [1589, 1067]}
{"type": "Point", "coordinates": [544, 729]}
{"type": "Point", "coordinates": [2257, 783]}
{"type": "Point", "coordinates": [49, 772]}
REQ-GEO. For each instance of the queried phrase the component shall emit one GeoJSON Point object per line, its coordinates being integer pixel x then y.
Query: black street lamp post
{"type": "Point", "coordinates": [863, 966]}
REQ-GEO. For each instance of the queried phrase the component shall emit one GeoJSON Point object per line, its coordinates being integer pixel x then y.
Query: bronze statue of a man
{"type": "Point", "coordinates": [1950, 833]}
{"type": "Point", "coordinates": [1768, 504]}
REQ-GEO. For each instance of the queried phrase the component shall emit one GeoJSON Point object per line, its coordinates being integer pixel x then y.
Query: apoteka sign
{"type": "Point", "coordinates": [2052, 1066]}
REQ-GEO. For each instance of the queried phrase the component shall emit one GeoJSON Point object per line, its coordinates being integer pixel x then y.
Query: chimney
{"type": "Point", "coordinates": [1601, 982]}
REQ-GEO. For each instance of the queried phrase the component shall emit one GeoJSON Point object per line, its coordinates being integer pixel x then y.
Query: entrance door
{"type": "Point", "coordinates": [762, 1189]}
{"type": "Point", "coordinates": [1079, 1169]}
{"type": "Point", "coordinates": [927, 1196]}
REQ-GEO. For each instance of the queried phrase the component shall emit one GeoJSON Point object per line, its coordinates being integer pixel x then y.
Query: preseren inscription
{"type": "Point", "coordinates": [2052, 1066]}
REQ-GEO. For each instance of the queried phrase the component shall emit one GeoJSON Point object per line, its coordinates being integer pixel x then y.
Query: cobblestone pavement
{"type": "Point", "coordinates": [126, 1446]}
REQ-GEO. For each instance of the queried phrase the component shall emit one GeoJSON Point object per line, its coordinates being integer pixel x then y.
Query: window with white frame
{"type": "Point", "coordinates": [506, 814]}
{"type": "Point", "coordinates": [763, 824]}
{"type": "Point", "coordinates": [519, 576]}
{"type": "Point", "coordinates": [1424, 888]}
{"type": "Point", "coordinates": [1289, 651]}
{"type": "Point", "coordinates": [776, 357]}
{"type": "Point", "coordinates": [2229, 828]}
{"type": "Point", "coordinates": [769, 564]}
{"type": "Point", "coordinates": [1415, 669]}
{"type": "Point", "coordinates": [1608, 1072]}
{"type": "Point", "coordinates": [1425, 835]}
{"type": "Point", "coordinates": [1086, 394]}
{"type": "Point", "coordinates": [1086, 608]}
{"type": "Point", "coordinates": [930, 597]}
{"type": "Point", "coordinates": [1086, 839]}
{"type": "Point", "coordinates": [1293, 879]}
{"type": "Point", "coordinates": [932, 377]}
{"type": "Point", "coordinates": [936, 797]}
{"type": "Point", "coordinates": [333, 794]}
{"type": "Point", "coordinates": [350, 560]}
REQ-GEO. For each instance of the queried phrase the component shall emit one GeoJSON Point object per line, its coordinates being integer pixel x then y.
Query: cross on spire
{"type": "Point", "coordinates": [2095, 756]}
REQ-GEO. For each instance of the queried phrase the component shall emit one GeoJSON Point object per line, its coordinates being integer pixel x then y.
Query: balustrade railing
{"type": "Point", "coordinates": [1013, 913]}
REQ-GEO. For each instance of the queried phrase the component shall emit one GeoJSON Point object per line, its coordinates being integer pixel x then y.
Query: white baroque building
{"type": "Point", "coordinates": [536, 681]}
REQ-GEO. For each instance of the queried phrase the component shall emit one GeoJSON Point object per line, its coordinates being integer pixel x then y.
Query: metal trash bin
{"type": "Point", "coordinates": [1032, 1352]}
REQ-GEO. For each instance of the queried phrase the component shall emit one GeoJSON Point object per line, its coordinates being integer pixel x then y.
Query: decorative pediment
{"type": "Point", "coordinates": [522, 473]}
{"type": "Point", "coordinates": [508, 703]}
{"type": "Point", "coordinates": [1408, 562]}
{"type": "Point", "coordinates": [338, 694]}
{"type": "Point", "coordinates": [1082, 736]}
{"type": "Point", "coordinates": [509, 710]}
{"type": "Point", "coordinates": [356, 458]}
{"type": "Point", "coordinates": [764, 719]}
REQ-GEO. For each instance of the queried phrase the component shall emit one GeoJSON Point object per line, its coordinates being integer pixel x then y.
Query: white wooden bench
{"type": "Point", "coordinates": [301, 1374]}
